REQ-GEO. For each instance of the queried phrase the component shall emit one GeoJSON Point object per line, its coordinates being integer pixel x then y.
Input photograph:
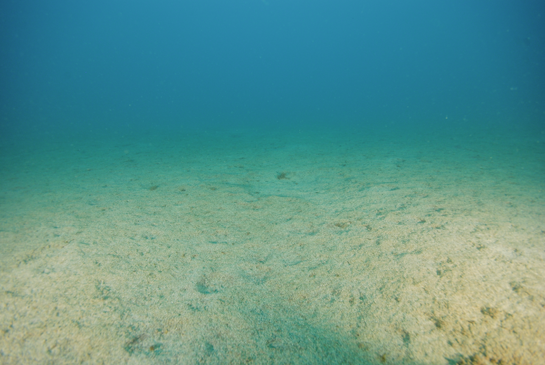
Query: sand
{"type": "Point", "coordinates": [274, 246]}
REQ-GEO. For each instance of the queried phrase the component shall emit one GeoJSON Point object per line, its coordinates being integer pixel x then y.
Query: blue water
{"type": "Point", "coordinates": [141, 64]}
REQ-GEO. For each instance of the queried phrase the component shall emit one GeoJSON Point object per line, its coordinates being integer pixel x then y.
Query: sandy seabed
{"type": "Point", "coordinates": [274, 247]}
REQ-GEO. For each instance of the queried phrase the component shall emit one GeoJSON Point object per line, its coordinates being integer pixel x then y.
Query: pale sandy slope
{"type": "Point", "coordinates": [293, 247]}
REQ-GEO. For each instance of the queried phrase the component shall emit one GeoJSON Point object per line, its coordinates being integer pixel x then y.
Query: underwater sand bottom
{"type": "Point", "coordinates": [272, 250]}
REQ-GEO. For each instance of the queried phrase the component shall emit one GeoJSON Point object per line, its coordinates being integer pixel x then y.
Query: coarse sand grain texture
{"type": "Point", "coordinates": [274, 247]}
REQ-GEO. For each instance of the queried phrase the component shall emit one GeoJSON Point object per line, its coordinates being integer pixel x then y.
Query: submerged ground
{"type": "Point", "coordinates": [288, 246]}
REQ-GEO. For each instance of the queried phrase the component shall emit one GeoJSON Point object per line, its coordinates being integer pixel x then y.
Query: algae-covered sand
{"type": "Point", "coordinates": [274, 247]}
